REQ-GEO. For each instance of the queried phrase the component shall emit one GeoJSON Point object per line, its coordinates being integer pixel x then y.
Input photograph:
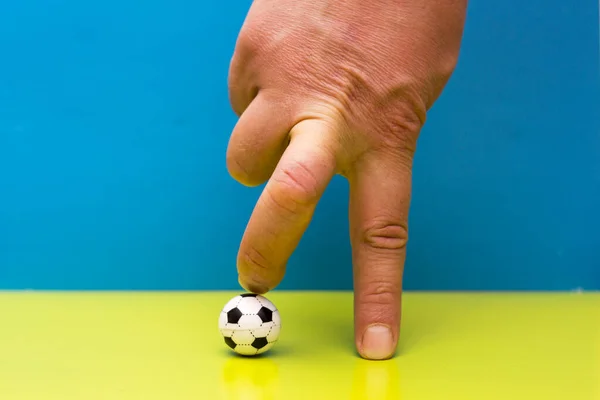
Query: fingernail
{"type": "Point", "coordinates": [377, 342]}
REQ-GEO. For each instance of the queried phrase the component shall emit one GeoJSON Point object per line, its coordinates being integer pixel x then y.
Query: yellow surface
{"type": "Point", "coordinates": [166, 346]}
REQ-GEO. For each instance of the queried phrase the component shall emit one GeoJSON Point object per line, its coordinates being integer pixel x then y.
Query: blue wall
{"type": "Point", "coordinates": [114, 121]}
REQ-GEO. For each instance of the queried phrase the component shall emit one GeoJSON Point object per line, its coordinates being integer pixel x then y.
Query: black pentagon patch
{"type": "Point", "coordinates": [260, 342]}
{"type": "Point", "coordinates": [229, 341]}
{"type": "Point", "coordinates": [265, 314]}
{"type": "Point", "coordinates": [234, 315]}
{"type": "Point", "coordinates": [248, 295]}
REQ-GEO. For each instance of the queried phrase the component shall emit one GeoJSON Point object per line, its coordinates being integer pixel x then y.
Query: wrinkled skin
{"type": "Point", "coordinates": [326, 87]}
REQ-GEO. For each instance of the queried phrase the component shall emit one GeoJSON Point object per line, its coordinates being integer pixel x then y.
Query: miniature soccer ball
{"type": "Point", "coordinates": [250, 324]}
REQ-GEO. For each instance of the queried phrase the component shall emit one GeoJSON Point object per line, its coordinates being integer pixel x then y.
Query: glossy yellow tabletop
{"type": "Point", "coordinates": [167, 346]}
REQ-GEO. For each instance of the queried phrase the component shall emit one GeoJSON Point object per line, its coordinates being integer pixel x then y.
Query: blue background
{"type": "Point", "coordinates": [114, 121]}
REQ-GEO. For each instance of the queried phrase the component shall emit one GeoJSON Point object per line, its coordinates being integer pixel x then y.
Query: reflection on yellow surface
{"type": "Point", "coordinates": [376, 380]}
{"type": "Point", "coordinates": [166, 346]}
{"type": "Point", "coordinates": [249, 378]}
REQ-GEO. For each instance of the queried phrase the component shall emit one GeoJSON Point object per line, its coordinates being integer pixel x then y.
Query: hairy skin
{"type": "Point", "coordinates": [327, 87]}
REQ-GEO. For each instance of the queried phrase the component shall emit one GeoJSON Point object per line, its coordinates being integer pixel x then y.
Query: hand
{"type": "Point", "coordinates": [327, 87]}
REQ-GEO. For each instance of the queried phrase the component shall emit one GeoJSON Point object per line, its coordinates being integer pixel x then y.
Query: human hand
{"type": "Point", "coordinates": [327, 87]}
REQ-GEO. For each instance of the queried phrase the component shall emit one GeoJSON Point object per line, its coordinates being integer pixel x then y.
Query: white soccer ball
{"type": "Point", "coordinates": [250, 324]}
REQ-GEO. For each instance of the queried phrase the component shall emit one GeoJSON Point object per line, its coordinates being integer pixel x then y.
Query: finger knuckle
{"type": "Point", "coordinates": [386, 235]}
{"type": "Point", "coordinates": [295, 188]}
{"type": "Point", "coordinates": [253, 38]}
{"type": "Point", "coordinates": [380, 294]}
{"type": "Point", "coordinates": [237, 95]}
{"type": "Point", "coordinates": [238, 98]}
{"type": "Point", "coordinates": [400, 134]}
{"type": "Point", "coordinates": [405, 114]}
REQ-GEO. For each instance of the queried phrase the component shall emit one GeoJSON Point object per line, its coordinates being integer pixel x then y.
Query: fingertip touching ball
{"type": "Point", "coordinates": [250, 324]}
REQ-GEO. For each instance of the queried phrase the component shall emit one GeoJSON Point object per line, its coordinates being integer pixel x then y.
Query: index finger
{"type": "Point", "coordinates": [285, 207]}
